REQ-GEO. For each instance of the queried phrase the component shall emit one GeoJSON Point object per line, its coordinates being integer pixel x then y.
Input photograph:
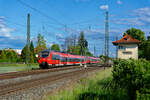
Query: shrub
{"type": "Point", "coordinates": [133, 75]}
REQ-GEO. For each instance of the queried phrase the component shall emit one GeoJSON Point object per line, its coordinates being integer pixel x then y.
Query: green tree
{"type": "Point", "coordinates": [41, 43]}
{"type": "Point", "coordinates": [77, 50]}
{"type": "Point", "coordinates": [32, 47]}
{"type": "Point", "coordinates": [88, 53]}
{"type": "Point", "coordinates": [15, 56]}
{"type": "Point", "coordinates": [70, 49]}
{"type": "Point", "coordinates": [32, 55]}
{"type": "Point", "coordinates": [3, 56]}
{"type": "Point", "coordinates": [136, 34]}
{"type": "Point", "coordinates": [81, 41]}
{"type": "Point", "coordinates": [139, 35]}
{"type": "Point", "coordinates": [11, 56]}
{"type": "Point", "coordinates": [23, 54]}
{"type": "Point", "coordinates": [32, 58]}
{"type": "Point", "coordinates": [147, 49]}
{"type": "Point", "coordinates": [55, 47]}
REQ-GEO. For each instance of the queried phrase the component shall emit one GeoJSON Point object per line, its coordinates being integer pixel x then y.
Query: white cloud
{"type": "Point", "coordinates": [142, 11]}
{"type": "Point", "coordinates": [104, 7]}
{"type": "Point", "coordinates": [139, 17]}
{"type": "Point", "coordinates": [4, 30]}
{"type": "Point", "coordinates": [119, 2]}
{"type": "Point", "coordinates": [59, 35]}
{"type": "Point", "coordinates": [129, 21]}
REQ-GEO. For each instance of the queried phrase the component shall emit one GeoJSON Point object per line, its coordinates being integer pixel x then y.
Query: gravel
{"type": "Point", "coordinates": [31, 77]}
{"type": "Point", "coordinates": [38, 92]}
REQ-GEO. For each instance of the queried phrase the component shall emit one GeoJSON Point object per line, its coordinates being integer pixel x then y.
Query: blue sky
{"type": "Point", "coordinates": [57, 19]}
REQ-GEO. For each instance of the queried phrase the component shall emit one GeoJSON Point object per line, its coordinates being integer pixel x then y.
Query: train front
{"type": "Point", "coordinates": [43, 56]}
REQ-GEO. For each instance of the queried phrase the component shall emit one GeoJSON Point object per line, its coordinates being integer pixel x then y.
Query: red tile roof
{"type": "Point", "coordinates": [127, 39]}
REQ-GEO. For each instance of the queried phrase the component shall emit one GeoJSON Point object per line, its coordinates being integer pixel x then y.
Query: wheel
{"type": "Point", "coordinates": [41, 66]}
{"type": "Point", "coordinates": [53, 65]}
{"type": "Point", "coordinates": [48, 66]}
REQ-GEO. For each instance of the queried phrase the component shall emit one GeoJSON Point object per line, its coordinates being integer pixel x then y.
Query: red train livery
{"type": "Point", "coordinates": [49, 59]}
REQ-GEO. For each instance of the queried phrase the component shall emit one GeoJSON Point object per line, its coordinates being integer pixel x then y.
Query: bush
{"type": "Point", "coordinates": [8, 56]}
{"type": "Point", "coordinates": [133, 75]}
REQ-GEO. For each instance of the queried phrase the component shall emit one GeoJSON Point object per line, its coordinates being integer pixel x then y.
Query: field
{"type": "Point", "coordinates": [4, 68]}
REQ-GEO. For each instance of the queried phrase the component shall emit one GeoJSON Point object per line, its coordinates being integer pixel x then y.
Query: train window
{"type": "Point", "coordinates": [55, 57]}
{"type": "Point", "coordinates": [63, 59]}
{"type": "Point", "coordinates": [71, 59]}
{"type": "Point", "coordinates": [44, 54]}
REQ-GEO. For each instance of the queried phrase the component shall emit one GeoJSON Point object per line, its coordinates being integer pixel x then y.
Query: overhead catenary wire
{"type": "Point", "coordinates": [21, 25]}
{"type": "Point", "coordinates": [47, 16]}
{"type": "Point", "coordinates": [51, 18]}
{"type": "Point", "coordinates": [40, 12]}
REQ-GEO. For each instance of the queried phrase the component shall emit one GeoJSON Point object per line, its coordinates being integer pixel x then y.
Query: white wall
{"type": "Point", "coordinates": [130, 51]}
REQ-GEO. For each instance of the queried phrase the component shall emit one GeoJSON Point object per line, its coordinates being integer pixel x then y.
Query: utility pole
{"type": "Point", "coordinates": [81, 45]}
{"type": "Point", "coordinates": [106, 36]}
{"type": "Point", "coordinates": [94, 50]}
{"type": "Point", "coordinates": [86, 46]}
{"type": "Point", "coordinates": [28, 41]}
{"type": "Point", "coordinates": [65, 40]}
{"type": "Point", "coordinates": [116, 48]}
{"type": "Point", "coordinates": [74, 44]}
{"type": "Point", "coordinates": [89, 28]}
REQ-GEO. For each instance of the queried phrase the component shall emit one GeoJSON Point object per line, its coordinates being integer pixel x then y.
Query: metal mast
{"type": "Point", "coordinates": [28, 40]}
{"type": "Point", "coordinates": [106, 36]}
{"type": "Point", "coordinates": [94, 51]}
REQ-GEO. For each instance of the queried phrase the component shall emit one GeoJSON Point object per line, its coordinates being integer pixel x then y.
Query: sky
{"type": "Point", "coordinates": [57, 19]}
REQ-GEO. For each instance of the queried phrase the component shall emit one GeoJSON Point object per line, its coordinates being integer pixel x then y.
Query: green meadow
{"type": "Point", "coordinates": [96, 87]}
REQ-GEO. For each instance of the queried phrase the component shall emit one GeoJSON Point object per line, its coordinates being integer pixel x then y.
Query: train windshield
{"type": "Point", "coordinates": [44, 54]}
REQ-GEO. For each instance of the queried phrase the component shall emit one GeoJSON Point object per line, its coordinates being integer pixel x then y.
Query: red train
{"type": "Point", "coordinates": [49, 59]}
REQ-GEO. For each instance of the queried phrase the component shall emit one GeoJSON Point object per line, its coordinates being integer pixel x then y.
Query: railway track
{"type": "Point", "coordinates": [12, 88]}
{"type": "Point", "coordinates": [32, 72]}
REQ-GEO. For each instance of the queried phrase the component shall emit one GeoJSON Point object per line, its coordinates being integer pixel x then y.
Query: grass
{"type": "Point", "coordinates": [4, 68]}
{"type": "Point", "coordinates": [97, 87]}
{"type": "Point", "coordinates": [17, 65]}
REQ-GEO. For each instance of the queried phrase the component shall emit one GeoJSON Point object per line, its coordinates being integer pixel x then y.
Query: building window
{"type": "Point", "coordinates": [127, 52]}
{"type": "Point", "coordinates": [121, 47]}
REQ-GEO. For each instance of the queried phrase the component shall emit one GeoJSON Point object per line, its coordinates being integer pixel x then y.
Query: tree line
{"type": "Point", "coordinates": [71, 45]}
{"type": "Point", "coordinates": [74, 45]}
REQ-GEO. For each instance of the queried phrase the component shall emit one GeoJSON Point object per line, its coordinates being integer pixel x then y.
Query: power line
{"type": "Point", "coordinates": [84, 22]}
{"type": "Point", "coordinates": [15, 23]}
{"type": "Point", "coordinates": [40, 12]}
{"type": "Point", "coordinates": [45, 15]}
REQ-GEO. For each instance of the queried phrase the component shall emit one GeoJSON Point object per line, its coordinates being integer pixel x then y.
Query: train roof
{"type": "Point", "coordinates": [62, 54]}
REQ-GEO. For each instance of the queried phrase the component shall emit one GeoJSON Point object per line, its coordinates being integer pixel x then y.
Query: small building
{"type": "Point", "coordinates": [127, 47]}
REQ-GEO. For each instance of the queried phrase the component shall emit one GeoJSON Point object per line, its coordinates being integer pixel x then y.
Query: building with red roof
{"type": "Point", "coordinates": [127, 47]}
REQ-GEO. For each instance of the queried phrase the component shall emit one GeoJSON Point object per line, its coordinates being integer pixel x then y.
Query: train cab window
{"type": "Point", "coordinates": [44, 54]}
{"type": "Point", "coordinates": [63, 59]}
{"type": "Point", "coordinates": [55, 57]}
